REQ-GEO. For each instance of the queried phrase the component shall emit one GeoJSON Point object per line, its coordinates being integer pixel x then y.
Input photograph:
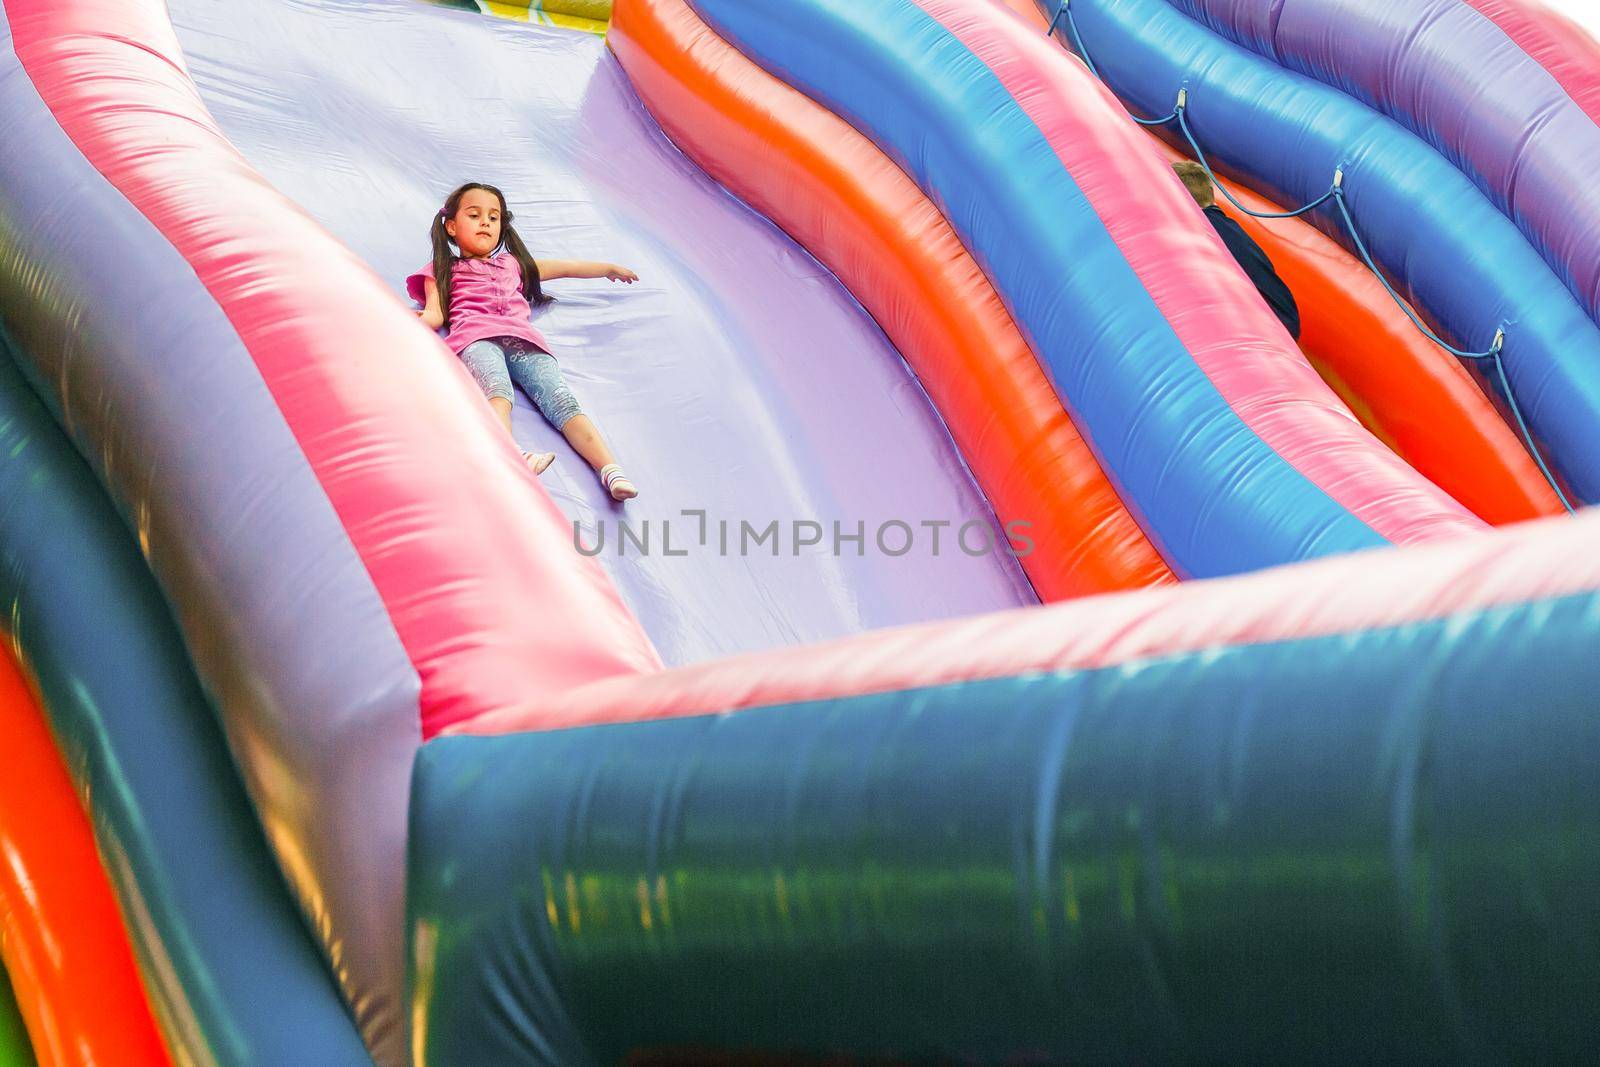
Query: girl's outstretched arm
{"type": "Point", "coordinates": [431, 314]}
{"type": "Point", "coordinates": [583, 268]}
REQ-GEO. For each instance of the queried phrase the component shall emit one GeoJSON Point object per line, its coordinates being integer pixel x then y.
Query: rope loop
{"type": "Point", "coordinates": [1336, 193]}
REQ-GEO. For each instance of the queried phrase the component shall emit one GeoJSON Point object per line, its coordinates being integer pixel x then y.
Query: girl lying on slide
{"type": "Point", "coordinates": [483, 295]}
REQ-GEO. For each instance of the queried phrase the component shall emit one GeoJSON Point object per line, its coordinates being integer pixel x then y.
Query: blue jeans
{"type": "Point", "coordinates": [495, 364]}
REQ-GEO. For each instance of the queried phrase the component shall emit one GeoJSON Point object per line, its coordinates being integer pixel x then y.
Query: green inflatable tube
{"type": "Point", "coordinates": [15, 1050]}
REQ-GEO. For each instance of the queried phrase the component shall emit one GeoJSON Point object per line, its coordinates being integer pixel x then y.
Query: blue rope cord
{"type": "Point", "coordinates": [1522, 427]}
{"type": "Point", "coordinates": [1336, 194]}
{"type": "Point", "coordinates": [1077, 42]}
{"type": "Point", "coordinates": [1493, 351]}
{"type": "Point", "coordinates": [1200, 157]}
{"type": "Point", "coordinates": [1155, 122]}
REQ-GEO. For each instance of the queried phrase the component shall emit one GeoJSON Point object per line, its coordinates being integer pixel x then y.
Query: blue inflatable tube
{"type": "Point", "coordinates": [1214, 495]}
{"type": "Point", "coordinates": [1444, 244]}
{"type": "Point", "coordinates": [1452, 76]}
{"type": "Point", "coordinates": [232, 972]}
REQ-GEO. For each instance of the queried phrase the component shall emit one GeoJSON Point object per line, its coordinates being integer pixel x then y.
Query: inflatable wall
{"type": "Point", "coordinates": [1021, 650]}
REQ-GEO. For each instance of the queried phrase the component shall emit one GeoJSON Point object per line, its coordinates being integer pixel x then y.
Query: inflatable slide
{"type": "Point", "coordinates": [1020, 651]}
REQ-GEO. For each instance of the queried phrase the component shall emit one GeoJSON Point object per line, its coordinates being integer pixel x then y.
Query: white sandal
{"type": "Point", "coordinates": [538, 462]}
{"type": "Point", "coordinates": [617, 483]}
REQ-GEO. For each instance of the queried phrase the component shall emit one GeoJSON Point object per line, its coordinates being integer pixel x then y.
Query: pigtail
{"type": "Point", "coordinates": [530, 269]}
{"type": "Point", "coordinates": [443, 259]}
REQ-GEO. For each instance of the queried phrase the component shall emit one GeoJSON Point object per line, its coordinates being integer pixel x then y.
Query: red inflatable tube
{"type": "Point", "coordinates": [850, 206]}
{"type": "Point", "coordinates": [1029, 11]}
{"type": "Point", "coordinates": [1413, 395]}
{"type": "Point", "coordinates": [61, 935]}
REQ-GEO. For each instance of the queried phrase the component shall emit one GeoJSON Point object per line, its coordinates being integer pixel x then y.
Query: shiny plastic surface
{"type": "Point", "coordinates": [1412, 395]}
{"type": "Point", "coordinates": [1451, 76]}
{"type": "Point", "coordinates": [140, 375]}
{"type": "Point", "coordinates": [835, 193]}
{"type": "Point", "coordinates": [1240, 457]}
{"type": "Point", "coordinates": [1416, 397]}
{"type": "Point", "coordinates": [1555, 42]}
{"type": "Point", "coordinates": [1383, 591]}
{"type": "Point", "coordinates": [15, 1049]}
{"type": "Point", "coordinates": [1339, 812]}
{"type": "Point", "coordinates": [1029, 12]}
{"type": "Point", "coordinates": [737, 377]}
{"type": "Point", "coordinates": [383, 480]}
{"type": "Point", "coordinates": [379, 429]}
{"type": "Point", "coordinates": [60, 932]}
{"type": "Point", "coordinates": [434, 504]}
{"type": "Point", "coordinates": [1460, 262]}
{"type": "Point", "coordinates": [234, 977]}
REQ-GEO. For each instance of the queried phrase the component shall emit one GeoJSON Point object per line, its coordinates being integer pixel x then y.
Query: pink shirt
{"type": "Point", "coordinates": [485, 301]}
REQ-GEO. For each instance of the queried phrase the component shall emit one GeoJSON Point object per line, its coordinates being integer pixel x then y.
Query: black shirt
{"type": "Point", "coordinates": [1259, 268]}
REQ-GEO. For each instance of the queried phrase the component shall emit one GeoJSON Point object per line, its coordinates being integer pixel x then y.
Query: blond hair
{"type": "Point", "coordinates": [1197, 181]}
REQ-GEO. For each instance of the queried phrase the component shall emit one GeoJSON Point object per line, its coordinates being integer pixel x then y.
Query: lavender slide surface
{"type": "Point", "coordinates": [131, 352]}
{"type": "Point", "coordinates": [737, 377]}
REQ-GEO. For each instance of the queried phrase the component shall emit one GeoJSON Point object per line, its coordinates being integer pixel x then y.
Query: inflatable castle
{"type": "Point", "coordinates": [1022, 650]}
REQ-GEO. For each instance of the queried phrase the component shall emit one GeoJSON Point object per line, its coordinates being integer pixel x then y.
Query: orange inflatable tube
{"type": "Point", "coordinates": [61, 935]}
{"type": "Point", "coordinates": [1029, 11]}
{"type": "Point", "coordinates": [1411, 394]}
{"type": "Point", "coordinates": [833, 191]}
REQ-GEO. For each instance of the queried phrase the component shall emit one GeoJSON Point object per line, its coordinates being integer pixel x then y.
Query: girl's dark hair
{"type": "Point", "coordinates": [444, 259]}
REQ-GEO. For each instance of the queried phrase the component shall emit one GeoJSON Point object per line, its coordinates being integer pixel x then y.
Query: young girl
{"type": "Point", "coordinates": [483, 295]}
